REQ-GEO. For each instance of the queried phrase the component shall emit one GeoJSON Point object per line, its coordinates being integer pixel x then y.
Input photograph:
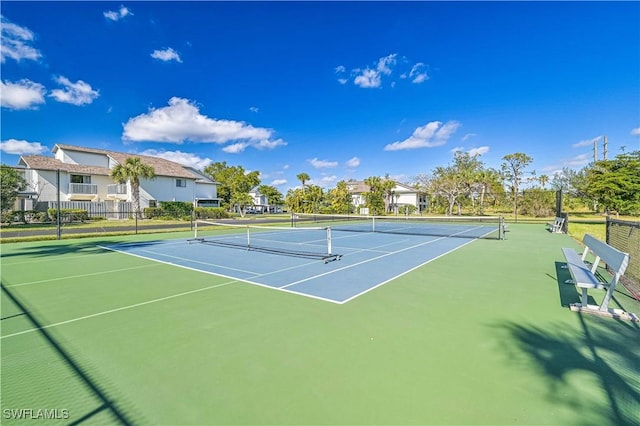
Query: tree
{"type": "Point", "coordinates": [375, 197]}
{"type": "Point", "coordinates": [132, 171]}
{"type": "Point", "coordinates": [235, 184]}
{"type": "Point", "coordinates": [543, 179]}
{"type": "Point", "coordinates": [489, 181]}
{"type": "Point", "coordinates": [615, 184]}
{"type": "Point", "coordinates": [340, 198]}
{"type": "Point", "coordinates": [448, 183]}
{"type": "Point", "coordinates": [513, 169]}
{"type": "Point", "coordinates": [303, 178]}
{"type": "Point", "coordinates": [274, 197]}
{"type": "Point", "coordinates": [388, 187]}
{"type": "Point", "coordinates": [11, 182]}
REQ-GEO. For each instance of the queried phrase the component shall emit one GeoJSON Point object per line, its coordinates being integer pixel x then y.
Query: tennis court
{"type": "Point", "coordinates": [124, 330]}
{"type": "Point", "coordinates": [334, 264]}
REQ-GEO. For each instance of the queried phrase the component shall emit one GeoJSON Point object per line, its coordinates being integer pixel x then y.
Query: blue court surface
{"type": "Point", "coordinates": [361, 262]}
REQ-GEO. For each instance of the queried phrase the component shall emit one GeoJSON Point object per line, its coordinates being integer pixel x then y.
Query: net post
{"type": "Point", "coordinates": [248, 239]}
{"type": "Point", "coordinates": [195, 235]}
{"type": "Point", "coordinates": [329, 248]}
{"type": "Point", "coordinates": [373, 224]}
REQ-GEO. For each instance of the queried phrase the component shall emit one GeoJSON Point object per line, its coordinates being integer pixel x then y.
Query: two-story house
{"type": "Point", "coordinates": [79, 174]}
{"type": "Point", "coordinates": [401, 195]}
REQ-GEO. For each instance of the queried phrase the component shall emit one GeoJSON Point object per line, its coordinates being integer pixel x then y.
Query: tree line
{"type": "Point", "coordinates": [465, 185]}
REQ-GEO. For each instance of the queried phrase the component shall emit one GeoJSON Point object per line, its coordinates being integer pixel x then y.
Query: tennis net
{"type": "Point", "coordinates": [490, 227]}
{"type": "Point", "coordinates": [308, 242]}
{"type": "Point", "coordinates": [625, 236]}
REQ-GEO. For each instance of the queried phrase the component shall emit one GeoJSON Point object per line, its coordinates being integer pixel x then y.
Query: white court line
{"type": "Point", "coordinates": [195, 261]}
{"type": "Point", "coordinates": [228, 276]}
{"type": "Point", "coordinates": [369, 260]}
{"type": "Point", "coordinates": [122, 308]}
{"type": "Point", "coordinates": [78, 276]}
{"type": "Point", "coordinates": [405, 272]}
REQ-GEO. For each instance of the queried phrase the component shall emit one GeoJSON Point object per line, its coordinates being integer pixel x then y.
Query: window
{"type": "Point", "coordinates": [80, 179]}
{"type": "Point", "coordinates": [153, 203]}
{"type": "Point", "coordinates": [181, 183]}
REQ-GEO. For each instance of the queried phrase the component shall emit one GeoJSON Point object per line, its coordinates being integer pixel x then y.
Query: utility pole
{"type": "Point", "coordinates": [606, 149]}
{"type": "Point", "coordinates": [595, 150]}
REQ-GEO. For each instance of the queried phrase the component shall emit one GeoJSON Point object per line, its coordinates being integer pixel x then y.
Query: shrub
{"type": "Point", "coordinates": [407, 209]}
{"type": "Point", "coordinates": [211, 213]}
{"type": "Point", "coordinates": [176, 209]}
{"type": "Point", "coordinates": [68, 215]}
{"type": "Point", "coordinates": [152, 212]}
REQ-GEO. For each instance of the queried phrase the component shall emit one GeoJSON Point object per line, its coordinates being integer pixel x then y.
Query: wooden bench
{"type": "Point", "coordinates": [584, 276]}
{"type": "Point", "coordinates": [556, 225]}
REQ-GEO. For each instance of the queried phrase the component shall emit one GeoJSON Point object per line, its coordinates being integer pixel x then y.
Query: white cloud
{"type": "Point", "coordinates": [635, 132]}
{"type": "Point", "coordinates": [372, 75]}
{"type": "Point", "coordinates": [478, 151]}
{"type": "Point", "coordinates": [576, 162]}
{"type": "Point", "coordinates": [15, 42]}
{"type": "Point", "coordinates": [322, 164]}
{"type": "Point", "coordinates": [24, 94]}
{"type": "Point", "coordinates": [456, 149]}
{"type": "Point", "coordinates": [328, 180]}
{"type": "Point", "coordinates": [418, 74]}
{"type": "Point", "coordinates": [182, 121]}
{"type": "Point", "coordinates": [22, 147]}
{"type": "Point", "coordinates": [184, 158]}
{"type": "Point", "coordinates": [254, 109]}
{"type": "Point", "coordinates": [353, 162]}
{"type": "Point", "coordinates": [385, 63]}
{"type": "Point", "coordinates": [368, 79]}
{"type": "Point", "coordinates": [117, 15]}
{"type": "Point", "coordinates": [588, 142]}
{"type": "Point", "coordinates": [468, 136]}
{"type": "Point", "coordinates": [430, 135]}
{"type": "Point", "coordinates": [278, 182]}
{"type": "Point", "coordinates": [78, 93]}
{"type": "Point", "coordinates": [166, 55]}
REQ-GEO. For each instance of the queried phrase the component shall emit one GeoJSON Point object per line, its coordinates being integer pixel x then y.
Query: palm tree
{"type": "Point", "coordinates": [132, 170]}
{"type": "Point", "coordinates": [543, 179]}
{"type": "Point", "coordinates": [303, 178]}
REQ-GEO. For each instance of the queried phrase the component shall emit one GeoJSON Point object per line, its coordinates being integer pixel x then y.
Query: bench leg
{"type": "Point", "coordinates": [607, 297]}
{"type": "Point", "coordinates": [584, 298]}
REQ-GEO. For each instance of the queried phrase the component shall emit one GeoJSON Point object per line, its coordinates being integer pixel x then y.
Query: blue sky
{"type": "Point", "coordinates": [337, 90]}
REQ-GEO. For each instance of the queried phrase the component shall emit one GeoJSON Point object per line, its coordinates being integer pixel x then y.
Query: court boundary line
{"type": "Point", "coordinates": [236, 279]}
{"type": "Point", "coordinates": [407, 271]}
{"type": "Point", "coordinates": [374, 258]}
{"type": "Point", "coordinates": [78, 276]}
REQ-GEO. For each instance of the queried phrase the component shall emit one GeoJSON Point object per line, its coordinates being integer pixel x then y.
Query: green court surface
{"type": "Point", "coordinates": [482, 335]}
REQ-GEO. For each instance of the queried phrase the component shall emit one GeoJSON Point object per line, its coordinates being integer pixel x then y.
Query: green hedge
{"type": "Point", "coordinates": [211, 213]}
{"type": "Point", "coordinates": [68, 215]}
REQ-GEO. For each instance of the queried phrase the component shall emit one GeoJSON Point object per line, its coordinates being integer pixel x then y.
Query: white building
{"type": "Point", "coordinates": [85, 175]}
{"type": "Point", "coordinates": [401, 195]}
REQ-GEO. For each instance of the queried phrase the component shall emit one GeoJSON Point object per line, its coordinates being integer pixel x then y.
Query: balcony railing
{"type": "Point", "coordinates": [117, 189]}
{"type": "Point", "coordinates": [83, 188]}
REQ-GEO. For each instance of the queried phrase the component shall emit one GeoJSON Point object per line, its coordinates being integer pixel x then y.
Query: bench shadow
{"type": "Point", "coordinates": [105, 403]}
{"type": "Point", "coordinates": [569, 293]}
{"type": "Point", "coordinates": [607, 350]}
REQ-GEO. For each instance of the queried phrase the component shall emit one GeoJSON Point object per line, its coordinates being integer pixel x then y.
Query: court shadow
{"type": "Point", "coordinates": [106, 404]}
{"type": "Point", "coordinates": [605, 349]}
{"type": "Point", "coordinates": [75, 247]}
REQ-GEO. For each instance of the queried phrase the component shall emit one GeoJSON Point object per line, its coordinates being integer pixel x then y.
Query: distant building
{"type": "Point", "coordinates": [402, 195]}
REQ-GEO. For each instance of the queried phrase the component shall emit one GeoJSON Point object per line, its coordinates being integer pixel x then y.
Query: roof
{"type": "Point", "coordinates": [161, 166]}
{"type": "Point", "coordinates": [40, 162]}
{"type": "Point", "coordinates": [358, 187]}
